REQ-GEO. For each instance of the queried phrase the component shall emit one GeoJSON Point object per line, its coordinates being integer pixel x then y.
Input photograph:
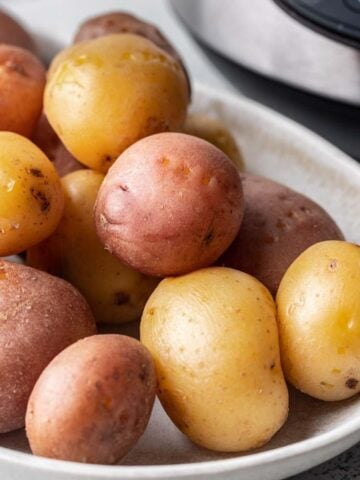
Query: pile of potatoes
{"type": "Point", "coordinates": [127, 207]}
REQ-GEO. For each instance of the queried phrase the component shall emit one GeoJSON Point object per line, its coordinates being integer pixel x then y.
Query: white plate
{"type": "Point", "coordinates": [315, 431]}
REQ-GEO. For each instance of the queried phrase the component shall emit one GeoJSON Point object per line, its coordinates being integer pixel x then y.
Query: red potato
{"type": "Point", "coordinates": [22, 83]}
{"type": "Point", "coordinates": [40, 315]}
{"type": "Point", "coordinates": [47, 140]}
{"type": "Point", "coordinates": [278, 225]}
{"type": "Point", "coordinates": [171, 204]}
{"type": "Point", "coordinates": [12, 33]}
{"type": "Point", "coordinates": [120, 22]}
{"type": "Point", "coordinates": [93, 402]}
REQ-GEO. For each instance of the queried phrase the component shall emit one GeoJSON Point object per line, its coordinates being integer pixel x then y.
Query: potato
{"type": "Point", "coordinates": [171, 203]}
{"type": "Point", "coordinates": [121, 22]}
{"type": "Point", "coordinates": [95, 417]}
{"type": "Point", "coordinates": [213, 131]}
{"type": "Point", "coordinates": [22, 83]}
{"type": "Point", "coordinates": [278, 225]}
{"type": "Point", "coordinates": [12, 33]}
{"type": "Point", "coordinates": [213, 337]}
{"type": "Point", "coordinates": [40, 316]}
{"type": "Point", "coordinates": [31, 197]}
{"type": "Point", "coordinates": [115, 292]}
{"type": "Point", "coordinates": [105, 94]}
{"type": "Point", "coordinates": [319, 320]}
{"type": "Point", "coordinates": [47, 140]}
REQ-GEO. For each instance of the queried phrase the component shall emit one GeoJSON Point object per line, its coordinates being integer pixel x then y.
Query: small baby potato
{"type": "Point", "coordinates": [214, 340]}
{"type": "Point", "coordinates": [105, 94]}
{"type": "Point", "coordinates": [170, 204]}
{"type": "Point", "coordinates": [12, 33]}
{"type": "Point", "coordinates": [31, 196]}
{"type": "Point", "coordinates": [40, 315]}
{"type": "Point", "coordinates": [213, 131]}
{"type": "Point", "coordinates": [47, 140]}
{"type": "Point", "coordinates": [121, 22]}
{"type": "Point", "coordinates": [93, 401]}
{"type": "Point", "coordinates": [278, 225]}
{"type": "Point", "coordinates": [115, 292]}
{"type": "Point", "coordinates": [22, 83]}
{"type": "Point", "coordinates": [319, 321]}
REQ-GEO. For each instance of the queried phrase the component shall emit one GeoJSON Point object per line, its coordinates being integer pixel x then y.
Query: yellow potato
{"type": "Point", "coordinates": [213, 337]}
{"type": "Point", "coordinates": [215, 132]}
{"type": "Point", "coordinates": [319, 320]}
{"type": "Point", "coordinates": [105, 94]}
{"type": "Point", "coordinates": [115, 292]}
{"type": "Point", "coordinates": [31, 197]}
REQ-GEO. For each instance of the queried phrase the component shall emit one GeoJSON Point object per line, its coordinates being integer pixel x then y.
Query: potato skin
{"type": "Point", "coordinates": [22, 84]}
{"type": "Point", "coordinates": [31, 197]}
{"type": "Point", "coordinates": [40, 316]}
{"type": "Point", "coordinates": [114, 76]}
{"type": "Point", "coordinates": [47, 140]}
{"type": "Point", "coordinates": [171, 203]}
{"type": "Point", "coordinates": [12, 33]}
{"type": "Point", "coordinates": [319, 321]}
{"type": "Point", "coordinates": [278, 225]}
{"type": "Point", "coordinates": [213, 131]}
{"type": "Point", "coordinates": [214, 340]}
{"type": "Point", "coordinates": [97, 417]}
{"type": "Point", "coordinates": [121, 22]}
{"type": "Point", "coordinates": [115, 292]}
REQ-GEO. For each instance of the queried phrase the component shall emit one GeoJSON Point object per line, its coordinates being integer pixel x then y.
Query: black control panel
{"type": "Point", "coordinates": [338, 19]}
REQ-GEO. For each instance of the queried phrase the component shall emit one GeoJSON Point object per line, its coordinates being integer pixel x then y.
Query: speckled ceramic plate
{"type": "Point", "coordinates": [315, 431]}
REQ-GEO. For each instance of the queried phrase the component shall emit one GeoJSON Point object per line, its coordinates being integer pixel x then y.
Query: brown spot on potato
{"type": "Point", "coordinates": [107, 159]}
{"type": "Point", "coordinates": [121, 298]}
{"type": "Point", "coordinates": [124, 188]}
{"type": "Point", "coordinates": [351, 383]}
{"type": "Point", "coordinates": [272, 366]}
{"type": "Point", "coordinates": [332, 265]}
{"type": "Point", "coordinates": [35, 172]}
{"type": "Point", "coordinates": [208, 237]}
{"type": "Point", "coordinates": [164, 161]}
{"type": "Point", "coordinates": [40, 197]}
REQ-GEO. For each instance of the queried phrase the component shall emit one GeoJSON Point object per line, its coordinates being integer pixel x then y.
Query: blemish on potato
{"type": "Point", "coordinates": [165, 161]}
{"type": "Point", "coordinates": [2, 273]}
{"type": "Point", "coordinates": [121, 298]}
{"type": "Point", "coordinates": [208, 237]}
{"type": "Point", "coordinates": [332, 265]}
{"type": "Point", "coordinates": [40, 197]}
{"type": "Point", "coordinates": [351, 383]}
{"type": "Point", "coordinates": [35, 172]}
{"type": "Point", "coordinates": [124, 188]}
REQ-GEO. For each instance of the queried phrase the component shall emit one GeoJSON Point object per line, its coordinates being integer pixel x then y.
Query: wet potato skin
{"type": "Point", "coordinates": [213, 337]}
{"type": "Point", "coordinates": [40, 315]}
{"type": "Point", "coordinates": [319, 321]}
{"type": "Point", "coordinates": [97, 417]}
{"type": "Point", "coordinates": [278, 225]}
{"type": "Point", "coordinates": [31, 196]}
{"type": "Point", "coordinates": [171, 203]}
{"type": "Point", "coordinates": [135, 88]}
{"type": "Point", "coordinates": [121, 22]}
{"type": "Point", "coordinates": [22, 83]}
{"type": "Point", "coordinates": [115, 292]}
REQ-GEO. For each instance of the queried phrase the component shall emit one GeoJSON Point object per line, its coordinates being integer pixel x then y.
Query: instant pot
{"type": "Point", "coordinates": [312, 45]}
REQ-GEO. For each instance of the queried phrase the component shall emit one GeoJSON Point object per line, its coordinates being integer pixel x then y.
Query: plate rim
{"type": "Point", "coordinates": [314, 444]}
